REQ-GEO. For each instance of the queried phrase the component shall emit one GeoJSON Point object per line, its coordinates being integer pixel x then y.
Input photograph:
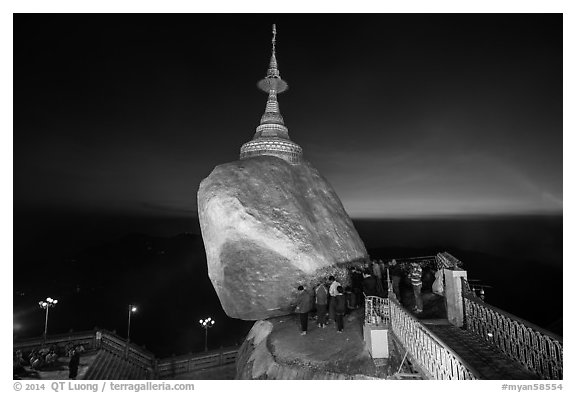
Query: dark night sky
{"type": "Point", "coordinates": [405, 115]}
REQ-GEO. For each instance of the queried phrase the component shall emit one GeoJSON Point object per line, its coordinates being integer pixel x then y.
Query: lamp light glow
{"type": "Point", "coordinates": [206, 323]}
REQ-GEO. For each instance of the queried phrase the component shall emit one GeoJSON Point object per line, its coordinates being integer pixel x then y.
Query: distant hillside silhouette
{"type": "Point", "coordinates": [520, 257]}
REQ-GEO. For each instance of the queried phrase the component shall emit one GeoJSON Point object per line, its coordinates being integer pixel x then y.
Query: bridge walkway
{"type": "Point", "coordinates": [487, 361]}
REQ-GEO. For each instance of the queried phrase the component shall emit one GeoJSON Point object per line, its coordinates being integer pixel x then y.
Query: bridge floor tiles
{"type": "Point", "coordinates": [487, 361]}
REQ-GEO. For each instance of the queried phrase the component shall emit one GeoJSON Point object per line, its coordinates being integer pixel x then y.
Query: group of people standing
{"type": "Point", "coordinates": [43, 359]}
{"type": "Point", "coordinates": [331, 301]}
{"type": "Point", "coordinates": [377, 273]}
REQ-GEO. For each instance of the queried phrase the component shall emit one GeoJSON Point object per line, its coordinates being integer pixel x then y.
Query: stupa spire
{"type": "Point", "coordinates": [273, 38]}
{"type": "Point", "coordinates": [273, 71]}
{"type": "Point", "coordinates": [271, 137]}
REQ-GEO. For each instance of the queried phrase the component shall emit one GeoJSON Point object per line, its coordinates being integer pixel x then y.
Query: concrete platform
{"type": "Point", "coordinates": [274, 349]}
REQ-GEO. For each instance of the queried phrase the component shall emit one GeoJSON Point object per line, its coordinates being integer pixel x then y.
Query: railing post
{"type": "Point", "coordinates": [453, 293]}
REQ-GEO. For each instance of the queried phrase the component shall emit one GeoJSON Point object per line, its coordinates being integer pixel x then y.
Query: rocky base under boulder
{"type": "Point", "coordinates": [274, 349]}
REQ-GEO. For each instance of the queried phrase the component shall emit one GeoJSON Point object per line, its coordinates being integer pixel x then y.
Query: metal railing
{"type": "Point", "coordinates": [431, 355]}
{"type": "Point", "coordinates": [85, 338]}
{"type": "Point", "coordinates": [171, 367]}
{"type": "Point", "coordinates": [537, 349]}
{"type": "Point", "coordinates": [445, 260]}
{"type": "Point", "coordinates": [442, 260]}
{"type": "Point", "coordinates": [136, 355]}
{"type": "Point", "coordinates": [376, 311]}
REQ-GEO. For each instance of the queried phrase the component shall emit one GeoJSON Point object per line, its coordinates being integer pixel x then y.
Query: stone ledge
{"type": "Point", "coordinates": [275, 350]}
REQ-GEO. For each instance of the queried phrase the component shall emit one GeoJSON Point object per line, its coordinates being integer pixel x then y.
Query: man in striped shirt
{"type": "Point", "coordinates": [415, 277]}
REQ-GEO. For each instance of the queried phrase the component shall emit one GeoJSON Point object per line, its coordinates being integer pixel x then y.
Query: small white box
{"type": "Point", "coordinates": [376, 339]}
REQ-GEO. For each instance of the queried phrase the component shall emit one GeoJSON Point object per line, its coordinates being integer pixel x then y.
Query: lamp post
{"type": "Point", "coordinates": [131, 309]}
{"type": "Point", "coordinates": [46, 305]}
{"type": "Point", "coordinates": [206, 324]}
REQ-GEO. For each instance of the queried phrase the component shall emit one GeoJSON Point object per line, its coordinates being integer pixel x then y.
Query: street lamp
{"type": "Point", "coordinates": [46, 305]}
{"type": "Point", "coordinates": [131, 308]}
{"type": "Point", "coordinates": [206, 324]}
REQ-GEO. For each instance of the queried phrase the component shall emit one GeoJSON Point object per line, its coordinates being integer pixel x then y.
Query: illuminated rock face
{"type": "Point", "coordinates": [269, 226]}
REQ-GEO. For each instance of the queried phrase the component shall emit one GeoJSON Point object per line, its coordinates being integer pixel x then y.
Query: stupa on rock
{"type": "Point", "coordinates": [271, 137]}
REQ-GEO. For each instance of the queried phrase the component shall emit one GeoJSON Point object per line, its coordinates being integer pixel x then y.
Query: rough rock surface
{"type": "Point", "coordinates": [274, 349]}
{"type": "Point", "coordinates": [268, 227]}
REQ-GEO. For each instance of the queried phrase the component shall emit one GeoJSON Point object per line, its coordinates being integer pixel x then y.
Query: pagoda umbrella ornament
{"type": "Point", "coordinates": [46, 305]}
{"type": "Point", "coordinates": [206, 324]}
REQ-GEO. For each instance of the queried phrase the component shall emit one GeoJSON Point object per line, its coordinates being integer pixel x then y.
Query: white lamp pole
{"type": "Point", "coordinates": [206, 324]}
{"type": "Point", "coordinates": [46, 305]}
{"type": "Point", "coordinates": [131, 309]}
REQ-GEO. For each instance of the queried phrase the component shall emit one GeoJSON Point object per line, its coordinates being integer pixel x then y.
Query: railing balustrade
{"type": "Point", "coordinates": [537, 349]}
{"type": "Point", "coordinates": [136, 355]}
{"type": "Point", "coordinates": [430, 354]}
{"type": "Point", "coordinates": [376, 310]}
{"type": "Point", "coordinates": [446, 260]}
{"type": "Point", "coordinates": [85, 338]}
{"type": "Point", "coordinates": [183, 364]}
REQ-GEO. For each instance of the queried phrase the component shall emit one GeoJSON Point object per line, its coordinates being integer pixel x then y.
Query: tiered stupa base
{"type": "Point", "coordinates": [277, 147]}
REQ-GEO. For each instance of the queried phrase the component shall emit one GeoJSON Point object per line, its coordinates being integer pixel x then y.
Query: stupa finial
{"type": "Point", "coordinates": [274, 38]}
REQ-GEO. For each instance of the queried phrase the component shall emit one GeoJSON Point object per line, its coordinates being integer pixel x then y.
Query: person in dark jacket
{"type": "Point", "coordinates": [321, 304]}
{"type": "Point", "coordinates": [351, 303]}
{"type": "Point", "coordinates": [303, 306]}
{"type": "Point", "coordinates": [356, 278]}
{"type": "Point", "coordinates": [377, 274]}
{"type": "Point", "coordinates": [369, 285]}
{"type": "Point", "coordinates": [73, 364]}
{"type": "Point", "coordinates": [395, 276]}
{"type": "Point", "coordinates": [340, 301]}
